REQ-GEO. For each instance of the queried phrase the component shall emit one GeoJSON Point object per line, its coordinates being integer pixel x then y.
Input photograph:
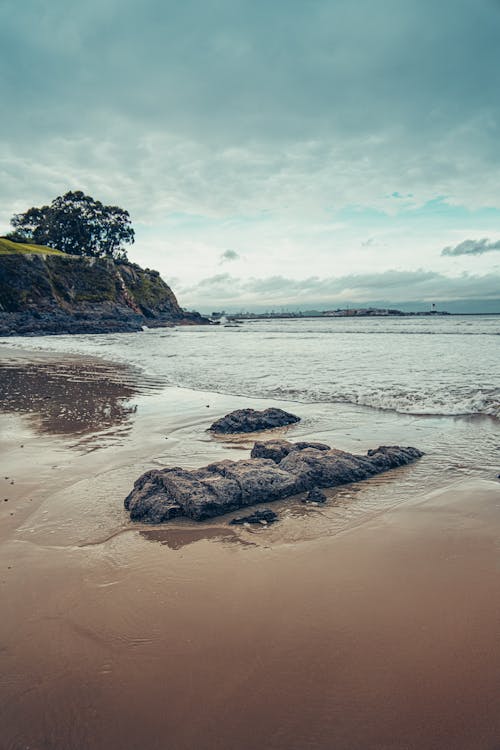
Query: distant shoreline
{"type": "Point", "coordinates": [233, 317]}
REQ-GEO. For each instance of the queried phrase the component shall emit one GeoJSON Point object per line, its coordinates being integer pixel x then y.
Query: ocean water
{"type": "Point", "coordinates": [421, 366]}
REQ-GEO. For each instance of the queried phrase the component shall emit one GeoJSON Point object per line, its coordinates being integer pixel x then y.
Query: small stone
{"type": "Point", "coordinates": [263, 517]}
{"type": "Point", "coordinates": [315, 497]}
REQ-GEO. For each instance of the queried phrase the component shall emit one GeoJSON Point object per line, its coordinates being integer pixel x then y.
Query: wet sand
{"type": "Point", "coordinates": [372, 623]}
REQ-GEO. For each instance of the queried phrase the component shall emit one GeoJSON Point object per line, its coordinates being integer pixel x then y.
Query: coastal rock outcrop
{"type": "Point", "coordinates": [251, 420]}
{"type": "Point", "coordinates": [162, 494]}
{"type": "Point", "coordinates": [57, 293]}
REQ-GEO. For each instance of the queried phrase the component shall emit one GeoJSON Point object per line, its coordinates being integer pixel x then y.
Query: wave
{"type": "Point", "coordinates": [476, 403]}
{"type": "Point", "coordinates": [317, 331]}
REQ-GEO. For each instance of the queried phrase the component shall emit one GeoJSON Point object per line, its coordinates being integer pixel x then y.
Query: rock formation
{"type": "Point", "coordinates": [250, 420]}
{"type": "Point", "coordinates": [287, 469]}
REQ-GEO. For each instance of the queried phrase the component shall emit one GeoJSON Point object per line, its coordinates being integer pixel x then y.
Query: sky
{"type": "Point", "coordinates": [319, 153]}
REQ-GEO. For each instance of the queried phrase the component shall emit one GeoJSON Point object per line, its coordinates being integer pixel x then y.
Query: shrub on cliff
{"type": "Point", "coordinates": [76, 224]}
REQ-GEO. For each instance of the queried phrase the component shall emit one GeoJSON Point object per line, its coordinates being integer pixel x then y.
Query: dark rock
{"type": "Point", "coordinates": [260, 516]}
{"type": "Point", "coordinates": [225, 486]}
{"type": "Point", "coordinates": [149, 500]}
{"type": "Point", "coordinates": [389, 456]}
{"type": "Point", "coordinates": [250, 420]}
{"type": "Point", "coordinates": [327, 468]}
{"type": "Point", "coordinates": [258, 479]}
{"type": "Point", "coordinates": [277, 449]}
{"type": "Point", "coordinates": [210, 491]}
{"type": "Point", "coordinates": [315, 496]}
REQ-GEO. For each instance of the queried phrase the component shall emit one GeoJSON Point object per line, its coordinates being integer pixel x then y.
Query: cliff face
{"type": "Point", "coordinates": [68, 294]}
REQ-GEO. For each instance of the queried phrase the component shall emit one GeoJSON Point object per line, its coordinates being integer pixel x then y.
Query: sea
{"type": "Point", "coordinates": [446, 365]}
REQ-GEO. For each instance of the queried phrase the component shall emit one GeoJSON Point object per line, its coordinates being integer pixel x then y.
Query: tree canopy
{"type": "Point", "coordinates": [76, 224]}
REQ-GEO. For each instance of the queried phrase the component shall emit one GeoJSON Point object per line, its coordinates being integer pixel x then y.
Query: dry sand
{"type": "Point", "coordinates": [370, 624]}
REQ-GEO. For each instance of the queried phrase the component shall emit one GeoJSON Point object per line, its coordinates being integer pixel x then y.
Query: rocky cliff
{"type": "Point", "coordinates": [55, 293]}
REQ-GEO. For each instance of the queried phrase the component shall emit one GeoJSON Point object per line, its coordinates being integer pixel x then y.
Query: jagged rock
{"type": "Point", "coordinates": [218, 488]}
{"type": "Point", "coordinates": [150, 499]}
{"type": "Point", "coordinates": [260, 516]}
{"type": "Point", "coordinates": [210, 491]}
{"type": "Point", "coordinates": [277, 449]}
{"type": "Point", "coordinates": [251, 420]}
{"type": "Point", "coordinates": [389, 456]}
{"type": "Point", "coordinates": [327, 468]}
{"type": "Point", "coordinates": [315, 496]}
{"type": "Point", "coordinates": [259, 479]}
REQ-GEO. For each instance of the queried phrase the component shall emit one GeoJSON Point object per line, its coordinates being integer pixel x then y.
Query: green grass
{"type": "Point", "coordinates": [20, 248]}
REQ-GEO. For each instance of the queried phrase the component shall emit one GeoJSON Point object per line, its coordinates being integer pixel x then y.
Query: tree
{"type": "Point", "coordinates": [76, 224]}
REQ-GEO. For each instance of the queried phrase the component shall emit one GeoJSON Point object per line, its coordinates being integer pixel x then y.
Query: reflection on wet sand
{"type": "Point", "coordinates": [176, 538]}
{"type": "Point", "coordinates": [68, 398]}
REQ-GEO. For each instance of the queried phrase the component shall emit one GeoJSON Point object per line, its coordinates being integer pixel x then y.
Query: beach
{"type": "Point", "coordinates": [370, 622]}
{"type": "Point", "coordinates": [234, 216]}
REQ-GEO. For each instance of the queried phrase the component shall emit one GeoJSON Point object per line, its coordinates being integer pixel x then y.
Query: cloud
{"type": "Point", "coordinates": [393, 286]}
{"type": "Point", "coordinates": [237, 124]}
{"type": "Point", "coordinates": [472, 247]}
{"type": "Point", "coordinates": [229, 255]}
{"type": "Point", "coordinates": [237, 70]}
{"type": "Point", "coordinates": [238, 106]}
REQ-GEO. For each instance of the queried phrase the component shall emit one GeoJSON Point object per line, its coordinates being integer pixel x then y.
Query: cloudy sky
{"type": "Point", "coordinates": [286, 154]}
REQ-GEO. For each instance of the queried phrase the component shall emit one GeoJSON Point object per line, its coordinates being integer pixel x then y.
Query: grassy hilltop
{"type": "Point", "coordinates": [7, 247]}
